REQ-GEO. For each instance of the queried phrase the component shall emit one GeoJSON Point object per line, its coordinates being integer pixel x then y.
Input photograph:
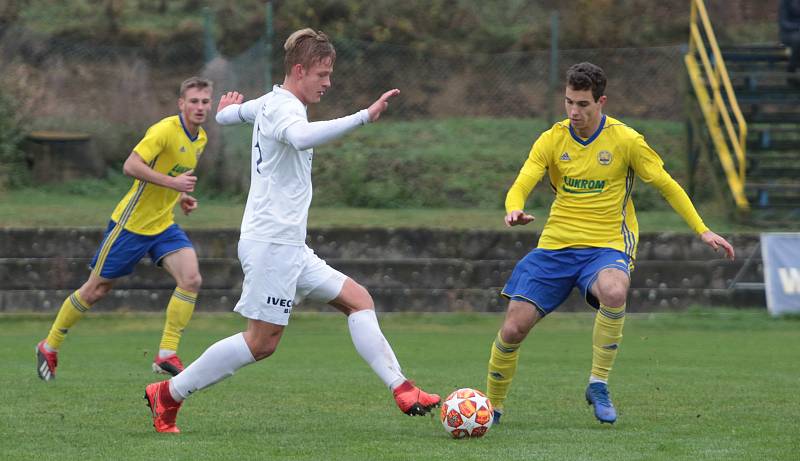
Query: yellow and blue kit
{"type": "Point", "coordinates": [593, 180]}
{"type": "Point", "coordinates": [143, 221]}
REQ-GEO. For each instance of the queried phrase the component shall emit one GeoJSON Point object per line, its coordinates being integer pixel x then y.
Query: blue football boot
{"type": "Point", "coordinates": [496, 414]}
{"type": "Point", "coordinates": [597, 395]}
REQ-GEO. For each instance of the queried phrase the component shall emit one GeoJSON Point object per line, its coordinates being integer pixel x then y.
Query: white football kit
{"type": "Point", "coordinates": [279, 268]}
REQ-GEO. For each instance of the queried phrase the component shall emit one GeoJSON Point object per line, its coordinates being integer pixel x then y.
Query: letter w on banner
{"type": "Point", "coordinates": [781, 255]}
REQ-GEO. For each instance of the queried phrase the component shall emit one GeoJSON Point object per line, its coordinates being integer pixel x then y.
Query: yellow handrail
{"type": "Point", "coordinates": [714, 106]}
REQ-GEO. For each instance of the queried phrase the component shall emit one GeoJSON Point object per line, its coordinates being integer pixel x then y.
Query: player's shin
{"type": "Point", "coordinates": [606, 339]}
{"type": "Point", "coordinates": [71, 311]}
{"type": "Point", "coordinates": [373, 347]}
{"type": "Point", "coordinates": [218, 362]}
{"type": "Point", "coordinates": [179, 312]}
{"type": "Point", "coordinates": [502, 366]}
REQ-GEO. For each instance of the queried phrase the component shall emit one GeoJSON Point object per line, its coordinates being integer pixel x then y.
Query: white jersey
{"type": "Point", "coordinates": [280, 177]}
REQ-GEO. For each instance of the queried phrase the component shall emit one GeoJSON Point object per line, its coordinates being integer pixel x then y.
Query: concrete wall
{"type": "Point", "coordinates": [405, 270]}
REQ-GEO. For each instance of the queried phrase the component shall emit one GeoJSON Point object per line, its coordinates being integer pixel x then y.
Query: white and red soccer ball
{"type": "Point", "coordinates": [467, 413]}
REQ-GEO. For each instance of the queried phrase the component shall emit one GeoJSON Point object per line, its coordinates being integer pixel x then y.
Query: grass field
{"type": "Point", "coordinates": [58, 207]}
{"type": "Point", "coordinates": [445, 174]}
{"type": "Point", "coordinates": [691, 386]}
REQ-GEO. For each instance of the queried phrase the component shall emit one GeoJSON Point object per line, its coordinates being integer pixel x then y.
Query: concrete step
{"type": "Point", "coordinates": [386, 300]}
{"type": "Point", "coordinates": [70, 273]}
{"type": "Point", "coordinates": [361, 244]}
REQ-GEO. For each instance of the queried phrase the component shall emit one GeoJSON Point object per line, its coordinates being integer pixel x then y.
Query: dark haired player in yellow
{"type": "Point", "coordinates": [590, 238]}
{"type": "Point", "coordinates": [143, 223]}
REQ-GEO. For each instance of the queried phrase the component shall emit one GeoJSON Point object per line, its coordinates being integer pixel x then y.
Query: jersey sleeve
{"type": "Point", "coordinates": [305, 135]}
{"type": "Point", "coordinates": [235, 114]}
{"type": "Point", "coordinates": [650, 168]}
{"type": "Point", "coordinates": [155, 140]}
{"type": "Point", "coordinates": [284, 116]}
{"type": "Point", "coordinates": [530, 174]}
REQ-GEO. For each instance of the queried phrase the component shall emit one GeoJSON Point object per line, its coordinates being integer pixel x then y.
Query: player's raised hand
{"type": "Point", "coordinates": [716, 242]}
{"type": "Point", "coordinates": [184, 182]}
{"type": "Point", "coordinates": [231, 97]}
{"type": "Point", "coordinates": [377, 107]}
{"type": "Point", "coordinates": [188, 203]}
{"type": "Point", "coordinates": [518, 218]}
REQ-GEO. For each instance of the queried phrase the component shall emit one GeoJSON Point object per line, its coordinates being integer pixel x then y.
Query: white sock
{"type": "Point", "coordinates": [164, 353]}
{"type": "Point", "coordinates": [373, 347]}
{"type": "Point", "coordinates": [218, 362]}
{"type": "Point", "coordinates": [595, 379]}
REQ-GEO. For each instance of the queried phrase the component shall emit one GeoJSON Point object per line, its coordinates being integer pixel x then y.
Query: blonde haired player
{"type": "Point", "coordinates": [590, 238]}
{"type": "Point", "coordinates": [162, 165]}
{"type": "Point", "coordinates": [277, 264]}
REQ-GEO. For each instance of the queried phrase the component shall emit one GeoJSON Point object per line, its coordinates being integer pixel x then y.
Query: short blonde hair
{"type": "Point", "coordinates": [307, 47]}
{"type": "Point", "coordinates": [195, 82]}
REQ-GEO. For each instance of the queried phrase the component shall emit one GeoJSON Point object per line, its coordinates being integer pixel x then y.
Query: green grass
{"type": "Point", "coordinates": [690, 386]}
{"type": "Point", "coordinates": [58, 207]}
{"type": "Point", "coordinates": [445, 163]}
{"type": "Point", "coordinates": [39, 208]}
{"type": "Point", "coordinates": [449, 173]}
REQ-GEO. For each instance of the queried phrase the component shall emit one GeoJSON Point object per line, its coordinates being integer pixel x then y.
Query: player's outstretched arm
{"type": "Point", "coordinates": [231, 97]}
{"type": "Point", "coordinates": [518, 218]}
{"type": "Point", "coordinates": [304, 135]}
{"type": "Point", "coordinates": [716, 242]}
{"type": "Point", "coordinates": [231, 110]}
{"type": "Point", "coordinates": [136, 167]}
{"type": "Point", "coordinates": [379, 106]}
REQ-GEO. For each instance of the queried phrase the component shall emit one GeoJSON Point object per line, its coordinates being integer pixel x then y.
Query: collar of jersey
{"type": "Point", "coordinates": [189, 135]}
{"type": "Point", "coordinates": [592, 137]}
{"type": "Point", "coordinates": [279, 89]}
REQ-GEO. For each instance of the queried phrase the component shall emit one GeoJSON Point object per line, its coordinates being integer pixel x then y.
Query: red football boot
{"type": "Point", "coordinates": [163, 407]}
{"type": "Point", "coordinates": [168, 366]}
{"type": "Point", "coordinates": [414, 401]}
{"type": "Point", "coordinates": [46, 362]}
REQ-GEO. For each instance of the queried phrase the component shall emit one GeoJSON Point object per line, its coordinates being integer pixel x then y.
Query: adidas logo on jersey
{"type": "Point", "coordinates": [565, 157]}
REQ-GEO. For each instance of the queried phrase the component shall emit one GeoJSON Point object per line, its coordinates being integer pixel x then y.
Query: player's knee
{"type": "Point", "coordinates": [361, 299]}
{"type": "Point", "coordinates": [91, 294]}
{"type": "Point", "coordinates": [614, 296]}
{"type": "Point", "coordinates": [191, 282]}
{"type": "Point", "coordinates": [264, 349]}
{"type": "Point", "coordinates": [513, 332]}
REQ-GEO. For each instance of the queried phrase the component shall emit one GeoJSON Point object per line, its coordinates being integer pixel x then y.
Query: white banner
{"type": "Point", "coordinates": [781, 255]}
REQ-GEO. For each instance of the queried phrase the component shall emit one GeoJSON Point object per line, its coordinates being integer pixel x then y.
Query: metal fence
{"type": "Point", "coordinates": [643, 82]}
{"type": "Point", "coordinates": [115, 92]}
{"type": "Point", "coordinates": [86, 79]}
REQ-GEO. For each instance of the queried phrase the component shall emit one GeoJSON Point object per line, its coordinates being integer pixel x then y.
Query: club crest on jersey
{"type": "Point", "coordinates": [183, 149]}
{"type": "Point", "coordinates": [565, 157]}
{"type": "Point", "coordinates": [604, 157]}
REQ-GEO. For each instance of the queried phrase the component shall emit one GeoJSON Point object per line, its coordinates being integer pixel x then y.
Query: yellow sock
{"type": "Point", "coordinates": [606, 338]}
{"type": "Point", "coordinates": [179, 312]}
{"type": "Point", "coordinates": [502, 366]}
{"type": "Point", "coordinates": [71, 311]}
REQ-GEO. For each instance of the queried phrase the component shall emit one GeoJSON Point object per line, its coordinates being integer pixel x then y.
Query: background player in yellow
{"type": "Point", "coordinates": [589, 240]}
{"type": "Point", "coordinates": [162, 164]}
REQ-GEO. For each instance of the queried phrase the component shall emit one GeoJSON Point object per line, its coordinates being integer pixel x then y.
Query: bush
{"type": "Point", "coordinates": [13, 166]}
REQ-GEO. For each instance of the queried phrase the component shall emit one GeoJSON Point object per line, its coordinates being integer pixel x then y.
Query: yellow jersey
{"type": "Point", "coordinates": [168, 148]}
{"type": "Point", "coordinates": [593, 180]}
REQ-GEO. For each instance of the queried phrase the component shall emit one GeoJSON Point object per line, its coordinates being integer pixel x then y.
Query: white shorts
{"type": "Point", "coordinates": [276, 276]}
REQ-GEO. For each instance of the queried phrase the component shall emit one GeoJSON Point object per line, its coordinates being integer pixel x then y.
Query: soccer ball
{"type": "Point", "coordinates": [467, 413]}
